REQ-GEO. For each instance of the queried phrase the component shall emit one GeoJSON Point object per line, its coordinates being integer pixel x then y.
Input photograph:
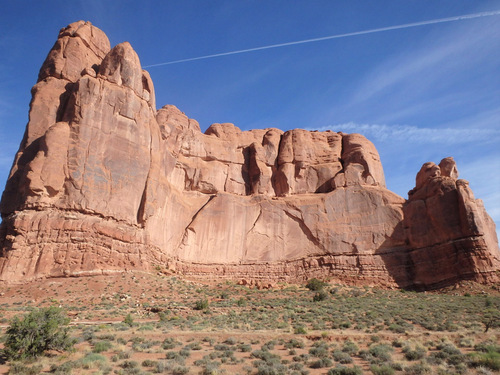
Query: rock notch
{"type": "Point", "coordinates": [103, 182]}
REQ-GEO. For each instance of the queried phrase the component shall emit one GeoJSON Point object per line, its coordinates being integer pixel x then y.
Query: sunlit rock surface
{"type": "Point", "coordinates": [104, 182]}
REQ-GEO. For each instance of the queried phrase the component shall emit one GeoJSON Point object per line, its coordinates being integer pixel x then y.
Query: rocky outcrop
{"type": "Point", "coordinates": [448, 229]}
{"type": "Point", "coordinates": [103, 182]}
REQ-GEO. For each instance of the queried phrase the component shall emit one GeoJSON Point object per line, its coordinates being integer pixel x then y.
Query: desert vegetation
{"type": "Point", "coordinates": [161, 324]}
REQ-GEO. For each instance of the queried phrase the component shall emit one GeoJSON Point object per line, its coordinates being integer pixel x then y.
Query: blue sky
{"type": "Point", "coordinates": [420, 94]}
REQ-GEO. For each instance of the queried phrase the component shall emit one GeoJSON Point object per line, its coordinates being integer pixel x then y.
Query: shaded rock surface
{"type": "Point", "coordinates": [449, 233]}
{"type": "Point", "coordinates": [104, 182]}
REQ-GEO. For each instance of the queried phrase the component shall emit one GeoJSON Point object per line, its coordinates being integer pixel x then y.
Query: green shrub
{"type": "Point", "coordinates": [417, 369]}
{"type": "Point", "coordinates": [64, 368]}
{"type": "Point", "coordinates": [319, 349]}
{"type": "Point", "coordinates": [22, 369]}
{"type": "Point", "coordinates": [210, 368]}
{"type": "Point", "coordinates": [345, 324]}
{"type": "Point", "coordinates": [487, 346]}
{"type": "Point", "coordinates": [170, 343]}
{"type": "Point", "coordinates": [343, 370]}
{"type": "Point", "coordinates": [163, 316]}
{"type": "Point", "coordinates": [269, 345]}
{"type": "Point", "coordinates": [320, 296]}
{"type": "Point", "coordinates": [107, 336]}
{"type": "Point", "coordinates": [382, 370]}
{"type": "Point", "coordinates": [397, 366]}
{"type": "Point", "coordinates": [294, 343]}
{"type": "Point", "coordinates": [382, 352]}
{"type": "Point", "coordinates": [231, 341]}
{"type": "Point", "coordinates": [39, 331]}
{"type": "Point", "coordinates": [129, 320]}
{"type": "Point", "coordinates": [350, 347]}
{"type": "Point", "coordinates": [321, 363]}
{"type": "Point", "coordinates": [129, 364]}
{"type": "Point", "coordinates": [265, 355]}
{"type": "Point", "coordinates": [120, 355]}
{"type": "Point", "coordinates": [194, 346]}
{"type": "Point", "coordinates": [489, 360]}
{"type": "Point", "coordinates": [366, 356]}
{"type": "Point", "coordinates": [102, 346]}
{"type": "Point", "coordinates": [315, 284]}
{"type": "Point", "coordinates": [146, 327]}
{"type": "Point", "coordinates": [449, 349]}
{"type": "Point", "coordinates": [341, 357]}
{"type": "Point", "coordinates": [245, 348]}
{"type": "Point", "coordinates": [397, 343]}
{"type": "Point", "coordinates": [149, 363]}
{"type": "Point", "coordinates": [270, 368]}
{"type": "Point", "coordinates": [209, 340]}
{"type": "Point", "coordinates": [397, 328]}
{"type": "Point", "coordinates": [180, 370]}
{"type": "Point", "coordinates": [176, 357]}
{"type": "Point", "coordinates": [92, 360]}
{"type": "Point", "coordinates": [375, 338]}
{"type": "Point", "coordinates": [160, 367]}
{"type": "Point", "coordinates": [88, 333]}
{"type": "Point", "coordinates": [300, 330]}
{"type": "Point", "coordinates": [141, 346]}
{"type": "Point", "coordinates": [201, 304]}
{"type": "Point", "coordinates": [414, 354]}
{"type": "Point", "coordinates": [466, 342]}
{"type": "Point", "coordinates": [222, 347]}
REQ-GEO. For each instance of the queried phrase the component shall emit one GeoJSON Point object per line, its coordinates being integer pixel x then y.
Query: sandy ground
{"type": "Point", "coordinates": [103, 301]}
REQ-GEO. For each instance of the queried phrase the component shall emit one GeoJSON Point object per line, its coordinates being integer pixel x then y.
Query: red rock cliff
{"type": "Point", "coordinates": [103, 182]}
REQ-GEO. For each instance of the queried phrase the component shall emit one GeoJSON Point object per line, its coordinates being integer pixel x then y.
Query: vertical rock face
{"type": "Point", "coordinates": [104, 182]}
{"type": "Point", "coordinates": [80, 47]}
{"type": "Point", "coordinates": [73, 198]}
{"type": "Point", "coordinates": [448, 229]}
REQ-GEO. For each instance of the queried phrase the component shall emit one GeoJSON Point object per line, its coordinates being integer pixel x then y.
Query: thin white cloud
{"type": "Point", "coordinates": [414, 134]}
{"type": "Point", "coordinates": [430, 70]}
{"type": "Point", "coordinates": [426, 61]}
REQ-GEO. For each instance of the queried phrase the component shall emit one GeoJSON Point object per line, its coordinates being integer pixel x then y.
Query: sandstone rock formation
{"type": "Point", "coordinates": [103, 182]}
{"type": "Point", "coordinates": [447, 229]}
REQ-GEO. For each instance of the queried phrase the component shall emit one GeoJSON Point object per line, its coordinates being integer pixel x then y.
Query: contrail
{"type": "Point", "coordinates": [337, 36]}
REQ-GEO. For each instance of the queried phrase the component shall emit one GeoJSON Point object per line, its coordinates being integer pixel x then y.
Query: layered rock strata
{"type": "Point", "coordinates": [103, 182]}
